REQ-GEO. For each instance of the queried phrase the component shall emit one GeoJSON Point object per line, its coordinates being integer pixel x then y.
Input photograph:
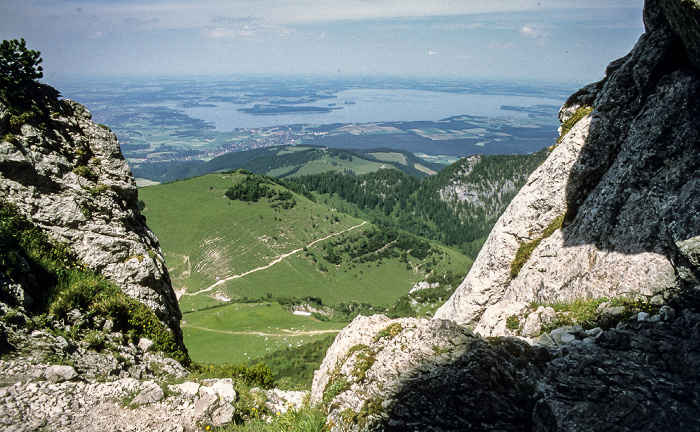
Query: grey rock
{"type": "Point", "coordinates": [631, 226]}
{"type": "Point", "coordinates": [610, 315]}
{"type": "Point", "coordinates": [75, 185]}
{"type": "Point", "coordinates": [224, 389]}
{"type": "Point", "coordinates": [210, 408]}
{"type": "Point", "coordinates": [567, 338]}
{"type": "Point", "coordinates": [594, 332]}
{"type": "Point", "coordinates": [60, 373]}
{"type": "Point", "coordinates": [145, 344]}
{"type": "Point", "coordinates": [545, 340]}
{"type": "Point", "coordinates": [667, 313]}
{"type": "Point", "coordinates": [643, 317]}
{"type": "Point", "coordinates": [204, 406]}
{"type": "Point", "coordinates": [281, 401]}
{"type": "Point", "coordinates": [76, 319]}
{"type": "Point", "coordinates": [188, 389]}
{"type": "Point", "coordinates": [222, 414]}
{"type": "Point", "coordinates": [559, 333]}
{"type": "Point", "coordinates": [641, 377]}
{"type": "Point", "coordinates": [425, 376]}
{"type": "Point", "coordinates": [150, 393]}
{"type": "Point", "coordinates": [543, 316]}
{"type": "Point", "coordinates": [108, 326]}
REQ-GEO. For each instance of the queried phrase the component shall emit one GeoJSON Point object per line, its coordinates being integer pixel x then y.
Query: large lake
{"type": "Point", "coordinates": [366, 106]}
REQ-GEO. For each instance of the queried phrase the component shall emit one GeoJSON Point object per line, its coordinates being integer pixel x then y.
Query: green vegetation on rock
{"type": "Point", "coordinates": [525, 250]}
{"type": "Point", "coordinates": [65, 284]}
{"type": "Point", "coordinates": [589, 313]}
{"type": "Point", "coordinates": [571, 121]}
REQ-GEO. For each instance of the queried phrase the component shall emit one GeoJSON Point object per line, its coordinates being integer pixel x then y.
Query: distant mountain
{"type": "Point", "coordinates": [285, 161]}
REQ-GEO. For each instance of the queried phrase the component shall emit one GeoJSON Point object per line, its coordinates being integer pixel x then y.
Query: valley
{"type": "Point", "coordinates": [278, 233]}
{"type": "Point", "coordinates": [235, 262]}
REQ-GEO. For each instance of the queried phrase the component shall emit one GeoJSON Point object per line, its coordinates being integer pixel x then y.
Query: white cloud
{"type": "Point", "coordinates": [201, 13]}
{"type": "Point", "coordinates": [431, 52]}
{"type": "Point", "coordinates": [246, 31]}
{"type": "Point", "coordinates": [532, 33]}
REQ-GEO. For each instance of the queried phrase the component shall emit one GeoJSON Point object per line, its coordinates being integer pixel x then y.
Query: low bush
{"type": "Point", "coordinates": [259, 375]}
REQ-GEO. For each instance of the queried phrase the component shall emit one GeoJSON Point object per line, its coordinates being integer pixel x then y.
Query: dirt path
{"type": "Point", "coordinates": [271, 263]}
{"type": "Point", "coordinates": [286, 332]}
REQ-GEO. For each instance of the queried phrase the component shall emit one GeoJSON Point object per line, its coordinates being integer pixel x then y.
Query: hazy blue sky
{"type": "Point", "coordinates": [546, 40]}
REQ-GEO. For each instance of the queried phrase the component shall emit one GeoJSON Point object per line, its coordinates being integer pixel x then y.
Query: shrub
{"type": "Point", "coordinates": [389, 331]}
{"type": "Point", "coordinates": [305, 419]}
{"type": "Point", "coordinates": [334, 388]}
{"type": "Point", "coordinates": [365, 360]}
{"type": "Point", "coordinates": [259, 374]}
{"type": "Point", "coordinates": [85, 172]}
{"type": "Point", "coordinates": [512, 323]}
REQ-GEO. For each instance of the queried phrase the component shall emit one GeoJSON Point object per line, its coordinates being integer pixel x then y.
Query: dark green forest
{"type": "Point", "coordinates": [429, 207]}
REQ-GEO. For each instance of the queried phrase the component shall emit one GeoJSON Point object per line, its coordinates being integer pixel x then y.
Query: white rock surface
{"type": "Point", "coordinates": [537, 205]}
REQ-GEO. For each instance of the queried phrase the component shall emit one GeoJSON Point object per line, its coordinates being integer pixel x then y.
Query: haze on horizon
{"type": "Point", "coordinates": [525, 40]}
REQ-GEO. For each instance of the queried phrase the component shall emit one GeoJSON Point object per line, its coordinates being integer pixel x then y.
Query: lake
{"type": "Point", "coordinates": [372, 105]}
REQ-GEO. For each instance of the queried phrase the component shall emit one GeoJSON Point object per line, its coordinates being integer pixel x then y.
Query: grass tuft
{"type": "Point", "coordinates": [526, 249]}
{"type": "Point", "coordinates": [571, 121]}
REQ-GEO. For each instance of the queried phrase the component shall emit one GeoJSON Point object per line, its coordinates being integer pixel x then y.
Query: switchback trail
{"type": "Point", "coordinates": [285, 332]}
{"type": "Point", "coordinates": [271, 263]}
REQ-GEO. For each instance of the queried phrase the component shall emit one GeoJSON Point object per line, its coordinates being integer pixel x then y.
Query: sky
{"type": "Point", "coordinates": [520, 40]}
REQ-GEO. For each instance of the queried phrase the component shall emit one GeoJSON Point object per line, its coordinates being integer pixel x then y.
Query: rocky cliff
{"type": "Point", "coordinates": [67, 176]}
{"type": "Point", "coordinates": [609, 223]}
{"type": "Point", "coordinates": [614, 209]}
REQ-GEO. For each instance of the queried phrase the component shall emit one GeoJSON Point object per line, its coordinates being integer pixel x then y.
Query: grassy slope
{"type": "Point", "coordinates": [239, 332]}
{"type": "Point", "coordinates": [206, 236]}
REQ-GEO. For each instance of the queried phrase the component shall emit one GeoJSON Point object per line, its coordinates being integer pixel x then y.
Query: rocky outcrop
{"type": "Point", "coordinates": [612, 212]}
{"type": "Point", "coordinates": [120, 387]}
{"type": "Point", "coordinates": [375, 361]}
{"type": "Point", "coordinates": [68, 177]}
{"type": "Point", "coordinates": [624, 183]}
{"type": "Point", "coordinates": [438, 376]}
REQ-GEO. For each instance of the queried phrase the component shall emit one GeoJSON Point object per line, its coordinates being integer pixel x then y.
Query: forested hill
{"type": "Point", "coordinates": [457, 207]}
{"type": "Point", "coordinates": [285, 161]}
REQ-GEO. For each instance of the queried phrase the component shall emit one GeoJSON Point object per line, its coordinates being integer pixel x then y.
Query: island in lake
{"type": "Point", "coordinates": [263, 109]}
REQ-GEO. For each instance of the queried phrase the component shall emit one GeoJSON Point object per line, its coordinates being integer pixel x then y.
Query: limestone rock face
{"type": "Point", "coordinates": [374, 364]}
{"type": "Point", "coordinates": [626, 179]}
{"type": "Point", "coordinates": [537, 205]}
{"type": "Point", "coordinates": [71, 180]}
{"type": "Point", "coordinates": [437, 375]}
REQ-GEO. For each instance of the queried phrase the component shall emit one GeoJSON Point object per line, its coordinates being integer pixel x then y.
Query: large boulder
{"type": "Point", "coordinates": [435, 375]}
